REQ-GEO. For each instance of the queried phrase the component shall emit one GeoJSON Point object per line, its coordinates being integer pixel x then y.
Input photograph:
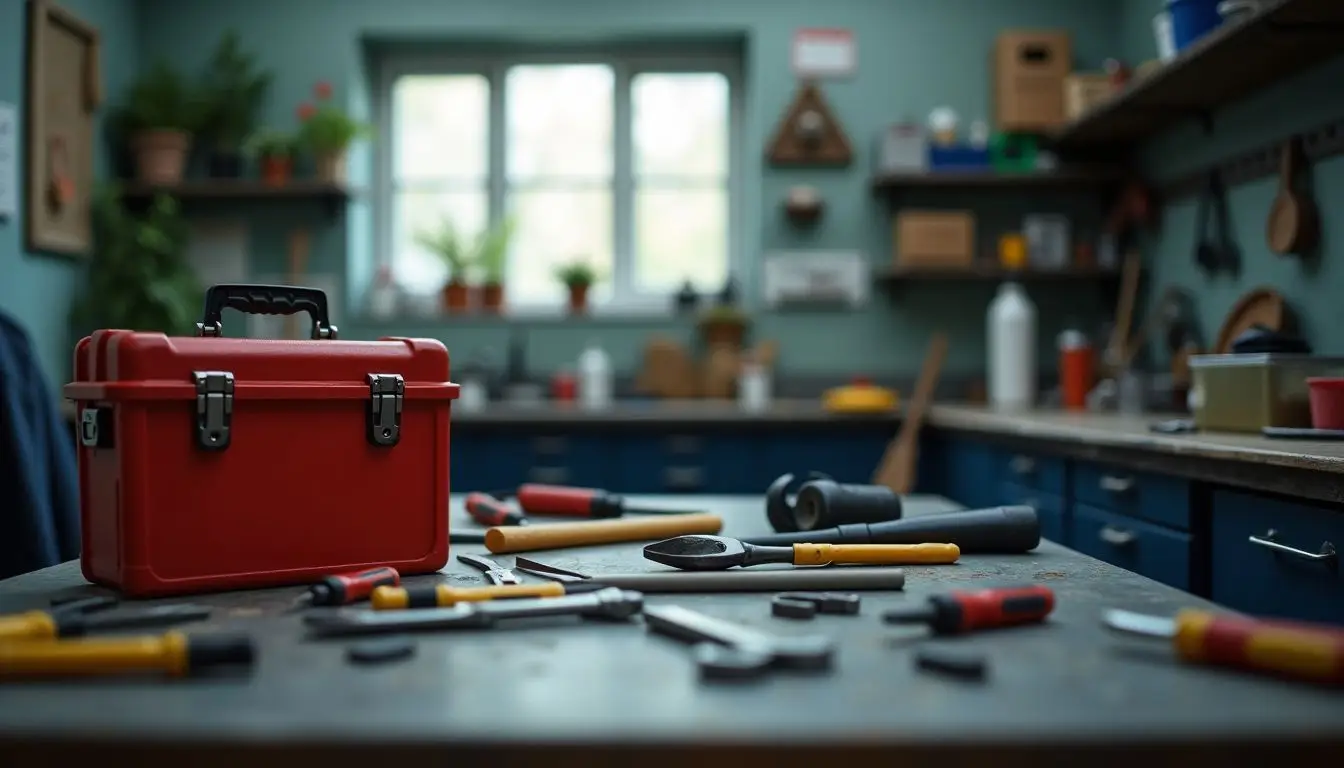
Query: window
{"type": "Point", "coordinates": [622, 162]}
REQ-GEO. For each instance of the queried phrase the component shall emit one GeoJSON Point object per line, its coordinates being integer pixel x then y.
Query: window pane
{"type": "Point", "coordinates": [415, 268]}
{"type": "Point", "coordinates": [559, 121]}
{"type": "Point", "coordinates": [681, 234]}
{"type": "Point", "coordinates": [441, 125]}
{"type": "Point", "coordinates": [681, 124]}
{"type": "Point", "coordinates": [556, 227]}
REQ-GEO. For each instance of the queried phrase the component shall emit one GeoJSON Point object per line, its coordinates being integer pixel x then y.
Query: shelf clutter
{"type": "Point", "coordinates": [991, 273]}
{"type": "Point", "coordinates": [240, 190]}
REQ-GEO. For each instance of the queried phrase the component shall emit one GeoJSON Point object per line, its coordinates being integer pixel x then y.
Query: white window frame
{"type": "Point", "coordinates": [494, 64]}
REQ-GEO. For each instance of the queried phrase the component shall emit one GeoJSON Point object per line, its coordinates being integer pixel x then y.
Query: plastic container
{"type": "Point", "coordinates": [1248, 392]}
{"type": "Point", "coordinates": [1191, 20]}
{"type": "Point", "coordinates": [594, 378]}
{"type": "Point", "coordinates": [1011, 331]}
{"type": "Point", "coordinates": [753, 387]}
{"type": "Point", "coordinates": [1327, 402]}
{"type": "Point", "coordinates": [1076, 366]}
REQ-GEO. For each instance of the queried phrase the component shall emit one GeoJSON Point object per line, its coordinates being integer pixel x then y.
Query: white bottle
{"type": "Point", "coordinates": [594, 378]}
{"type": "Point", "coordinates": [383, 298]}
{"type": "Point", "coordinates": [1011, 344]}
{"type": "Point", "coordinates": [753, 387]}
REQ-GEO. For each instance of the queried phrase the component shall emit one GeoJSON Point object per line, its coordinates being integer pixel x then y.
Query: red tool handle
{"type": "Point", "coordinates": [967, 611]}
{"type": "Point", "coordinates": [558, 500]}
{"type": "Point", "coordinates": [1286, 649]}
{"type": "Point", "coordinates": [489, 511]}
{"type": "Point", "coordinates": [347, 588]}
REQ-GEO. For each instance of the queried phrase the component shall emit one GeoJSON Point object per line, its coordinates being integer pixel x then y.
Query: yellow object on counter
{"type": "Point", "coordinates": [860, 396]}
{"type": "Point", "coordinates": [1013, 251]}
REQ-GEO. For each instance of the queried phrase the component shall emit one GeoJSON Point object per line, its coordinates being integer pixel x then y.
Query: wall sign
{"type": "Point", "coordinates": [824, 53]}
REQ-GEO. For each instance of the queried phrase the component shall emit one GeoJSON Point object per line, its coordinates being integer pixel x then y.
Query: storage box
{"type": "Point", "coordinates": [938, 239]}
{"type": "Point", "coordinates": [1246, 393]}
{"type": "Point", "coordinates": [210, 463]}
{"type": "Point", "coordinates": [958, 158]}
{"type": "Point", "coordinates": [903, 148]}
{"type": "Point", "coordinates": [1028, 73]}
{"type": "Point", "coordinates": [1083, 91]}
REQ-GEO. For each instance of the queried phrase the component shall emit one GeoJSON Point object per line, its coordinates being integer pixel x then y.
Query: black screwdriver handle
{"type": "Point", "coordinates": [995, 530]}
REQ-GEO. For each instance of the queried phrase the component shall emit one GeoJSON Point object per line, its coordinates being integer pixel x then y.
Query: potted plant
{"type": "Point", "coordinates": [235, 91]}
{"type": "Point", "coordinates": [445, 243]}
{"type": "Point", "coordinates": [327, 133]}
{"type": "Point", "coordinates": [578, 276]}
{"type": "Point", "coordinates": [160, 115]}
{"type": "Point", "coordinates": [274, 153]}
{"type": "Point", "coordinates": [723, 325]}
{"type": "Point", "coordinates": [491, 256]}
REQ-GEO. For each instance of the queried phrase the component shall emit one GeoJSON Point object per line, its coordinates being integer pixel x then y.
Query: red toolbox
{"type": "Point", "coordinates": [215, 463]}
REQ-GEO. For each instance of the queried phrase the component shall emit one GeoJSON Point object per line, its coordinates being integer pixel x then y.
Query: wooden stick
{"type": "Point", "coordinates": [526, 538]}
{"type": "Point", "coordinates": [1124, 313]}
{"type": "Point", "coordinates": [299, 243]}
{"type": "Point", "coordinates": [900, 462]}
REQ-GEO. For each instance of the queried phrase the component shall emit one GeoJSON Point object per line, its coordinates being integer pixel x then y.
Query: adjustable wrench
{"type": "Point", "coordinates": [727, 650]}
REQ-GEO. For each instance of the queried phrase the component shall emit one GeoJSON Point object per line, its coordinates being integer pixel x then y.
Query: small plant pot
{"type": "Point", "coordinates": [329, 167]}
{"type": "Point", "coordinates": [456, 297]}
{"type": "Point", "coordinates": [578, 299]}
{"type": "Point", "coordinates": [725, 333]}
{"type": "Point", "coordinates": [160, 156]}
{"type": "Point", "coordinates": [276, 170]}
{"type": "Point", "coordinates": [225, 164]}
{"type": "Point", "coordinates": [492, 298]}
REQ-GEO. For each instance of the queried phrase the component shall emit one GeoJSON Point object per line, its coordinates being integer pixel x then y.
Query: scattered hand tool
{"type": "Point", "coordinates": [966, 665]}
{"type": "Point", "coordinates": [770, 580]}
{"type": "Point", "coordinates": [490, 511]}
{"type": "Point", "coordinates": [590, 533]}
{"type": "Point", "coordinates": [992, 531]}
{"type": "Point", "coordinates": [466, 537]}
{"type": "Point", "coordinates": [445, 596]}
{"type": "Point", "coordinates": [494, 572]}
{"type": "Point", "coordinates": [837, 603]}
{"type": "Point", "coordinates": [380, 650]}
{"type": "Point", "coordinates": [1292, 650]}
{"type": "Point", "coordinates": [73, 622]}
{"type": "Point", "coordinates": [727, 650]}
{"type": "Point", "coordinates": [84, 603]}
{"type": "Point", "coordinates": [591, 503]}
{"type": "Point", "coordinates": [172, 653]}
{"type": "Point", "coordinates": [786, 608]}
{"type": "Point", "coordinates": [967, 611]}
{"type": "Point", "coordinates": [717, 553]}
{"type": "Point", "coordinates": [614, 604]}
{"type": "Point", "coordinates": [823, 503]}
{"type": "Point", "coordinates": [347, 588]}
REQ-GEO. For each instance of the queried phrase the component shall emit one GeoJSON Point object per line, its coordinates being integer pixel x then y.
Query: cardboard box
{"type": "Point", "coordinates": [1029, 72]}
{"type": "Point", "coordinates": [1085, 90]}
{"type": "Point", "coordinates": [938, 239]}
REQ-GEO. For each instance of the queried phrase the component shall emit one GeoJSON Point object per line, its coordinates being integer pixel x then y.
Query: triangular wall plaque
{"type": "Point", "coordinates": [809, 133]}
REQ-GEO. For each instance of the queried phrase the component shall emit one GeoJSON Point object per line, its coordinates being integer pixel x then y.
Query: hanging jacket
{"type": "Point", "coordinates": [39, 492]}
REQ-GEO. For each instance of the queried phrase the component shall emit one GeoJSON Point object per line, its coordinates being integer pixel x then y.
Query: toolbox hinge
{"type": "Point", "coordinates": [386, 394]}
{"type": "Point", "coordinates": [214, 409]}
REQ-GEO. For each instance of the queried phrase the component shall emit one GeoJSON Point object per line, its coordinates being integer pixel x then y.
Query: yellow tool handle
{"type": "Point", "coordinates": [1286, 649]}
{"type": "Point", "coordinates": [875, 554]}
{"type": "Point", "coordinates": [444, 596]}
{"type": "Point", "coordinates": [33, 625]}
{"type": "Point", "coordinates": [103, 656]}
{"type": "Point", "coordinates": [527, 538]}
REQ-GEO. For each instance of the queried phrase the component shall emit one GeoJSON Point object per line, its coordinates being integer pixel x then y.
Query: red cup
{"type": "Point", "coordinates": [1077, 367]}
{"type": "Point", "coordinates": [1326, 395]}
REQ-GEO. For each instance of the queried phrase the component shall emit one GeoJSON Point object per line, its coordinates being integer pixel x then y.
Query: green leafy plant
{"type": "Point", "coordinates": [138, 278]}
{"type": "Point", "coordinates": [577, 274]}
{"type": "Point", "coordinates": [235, 90]}
{"type": "Point", "coordinates": [325, 129]}
{"type": "Point", "coordinates": [492, 250]}
{"type": "Point", "coordinates": [161, 99]}
{"type": "Point", "coordinates": [445, 242]}
{"type": "Point", "coordinates": [271, 143]}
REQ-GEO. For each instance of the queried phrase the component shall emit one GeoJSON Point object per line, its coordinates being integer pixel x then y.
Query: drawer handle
{"type": "Point", "coordinates": [683, 478]}
{"type": "Point", "coordinates": [1326, 555]}
{"type": "Point", "coordinates": [549, 446]}
{"type": "Point", "coordinates": [1022, 465]}
{"type": "Point", "coordinates": [1116, 537]}
{"type": "Point", "coordinates": [1116, 485]}
{"type": "Point", "coordinates": [548, 475]}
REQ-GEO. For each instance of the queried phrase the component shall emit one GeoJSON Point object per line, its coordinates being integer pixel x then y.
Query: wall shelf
{"type": "Point", "coordinates": [1083, 176]}
{"type": "Point", "coordinates": [893, 276]}
{"type": "Point", "coordinates": [1229, 64]}
{"type": "Point", "coordinates": [330, 196]}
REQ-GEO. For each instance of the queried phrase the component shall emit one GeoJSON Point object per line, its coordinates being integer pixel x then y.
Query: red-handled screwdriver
{"type": "Point", "coordinates": [580, 502]}
{"type": "Point", "coordinates": [968, 611]}
{"type": "Point", "coordinates": [347, 588]}
{"type": "Point", "coordinates": [490, 511]}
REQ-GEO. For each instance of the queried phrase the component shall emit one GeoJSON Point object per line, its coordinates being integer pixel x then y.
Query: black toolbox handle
{"type": "Point", "coordinates": [266, 300]}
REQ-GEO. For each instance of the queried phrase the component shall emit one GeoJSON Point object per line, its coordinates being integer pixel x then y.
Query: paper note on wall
{"type": "Point", "coordinates": [824, 53]}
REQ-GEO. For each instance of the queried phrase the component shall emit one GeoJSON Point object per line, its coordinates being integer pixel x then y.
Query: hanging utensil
{"type": "Point", "coordinates": [1214, 250]}
{"type": "Point", "coordinates": [1294, 222]}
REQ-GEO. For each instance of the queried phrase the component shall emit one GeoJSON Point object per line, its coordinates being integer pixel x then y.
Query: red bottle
{"type": "Point", "coordinates": [1077, 366]}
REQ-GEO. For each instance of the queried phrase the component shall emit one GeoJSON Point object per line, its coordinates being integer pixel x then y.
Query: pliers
{"type": "Point", "coordinates": [494, 572]}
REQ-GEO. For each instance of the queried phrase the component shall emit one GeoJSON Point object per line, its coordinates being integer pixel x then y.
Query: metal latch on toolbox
{"type": "Point", "coordinates": [95, 428]}
{"type": "Point", "coordinates": [386, 395]}
{"type": "Point", "coordinates": [214, 409]}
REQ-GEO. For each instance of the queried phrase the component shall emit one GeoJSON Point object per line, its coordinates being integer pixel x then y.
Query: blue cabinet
{"type": "Point", "coordinates": [1155, 498]}
{"type": "Point", "coordinates": [1158, 552]}
{"type": "Point", "coordinates": [1051, 509]}
{"type": "Point", "coordinates": [849, 456]}
{"type": "Point", "coordinates": [481, 462]}
{"type": "Point", "coordinates": [970, 472]}
{"type": "Point", "coordinates": [687, 462]}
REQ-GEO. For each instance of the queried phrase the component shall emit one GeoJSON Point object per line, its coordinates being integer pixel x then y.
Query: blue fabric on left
{"type": "Point", "coordinates": [39, 487]}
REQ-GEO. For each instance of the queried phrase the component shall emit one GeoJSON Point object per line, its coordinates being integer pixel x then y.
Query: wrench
{"type": "Point", "coordinates": [727, 650]}
{"type": "Point", "coordinates": [611, 604]}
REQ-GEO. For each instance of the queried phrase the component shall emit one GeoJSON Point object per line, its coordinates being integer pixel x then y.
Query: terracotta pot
{"type": "Point", "coordinates": [456, 297]}
{"type": "Point", "coordinates": [276, 170]}
{"type": "Point", "coordinates": [329, 167]}
{"type": "Point", "coordinates": [492, 297]}
{"type": "Point", "coordinates": [726, 333]}
{"type": "Point", "coordinates": [578, 299]}
{"type": "Point", "coordinates": [160, 156]}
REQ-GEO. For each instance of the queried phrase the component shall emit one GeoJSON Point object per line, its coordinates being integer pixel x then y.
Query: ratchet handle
{"type": "Point", "coordinates": [1292, 650]}
{"type": "Point", "coordinates": [875, 554]}
{"type": "Point", "coordinates": [346, 588]}
{"type": "Point", "coordinates": [490, 511]}
{"type": "Point", "coordinates": [540, 499]}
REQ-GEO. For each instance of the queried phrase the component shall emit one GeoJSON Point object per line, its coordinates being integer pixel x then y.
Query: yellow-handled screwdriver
{"type": "Point", "coordinates": [445, 596]}
{"type": "Point", "coordinates": [65, 623]}
{"type": "Point", "coordinates": [172, 653]}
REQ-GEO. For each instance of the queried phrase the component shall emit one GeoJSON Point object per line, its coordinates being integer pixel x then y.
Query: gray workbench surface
{"type": "Point", "coordinates": [1050, 686]}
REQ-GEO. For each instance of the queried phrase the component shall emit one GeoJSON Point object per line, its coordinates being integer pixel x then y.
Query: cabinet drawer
{"type": "Point", "coordinates": [1156, 498]}
{"type": "Point", "coordinates": [1049, 510]}
{"type": "Point", "coordinates": [658, 463]}
{"type": "Point", "coordinates": [848, 456]}
{"type": "Point", "coordinates": [478, 462]}
{"type": "Point", "coordinates": [1161, 554]}
{"type": "Point", "coordinates": [563, 459]}
{"type": "Point", "coordinates": [972, 474]}
{"type": "Point", "coordinates": [1271, 557]}
{"type": "Point", "coordinates": [1042, 473]}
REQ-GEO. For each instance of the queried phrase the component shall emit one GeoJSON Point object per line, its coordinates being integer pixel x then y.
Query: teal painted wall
{"type": "Point", "coordinates": [34, 288]}
{"type": "Point", "coordinates": [914, 55]}
{"type": "Point", "coordinates": [1299, 104]}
